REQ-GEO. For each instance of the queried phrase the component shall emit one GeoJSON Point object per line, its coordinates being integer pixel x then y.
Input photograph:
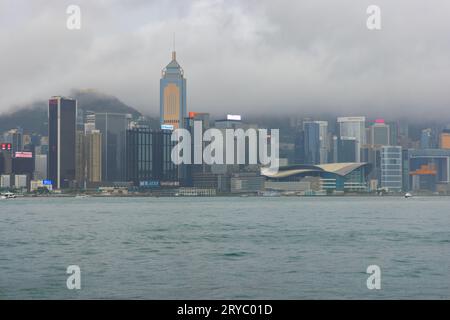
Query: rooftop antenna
{"type": "Point", "coordinates": [174, 55]}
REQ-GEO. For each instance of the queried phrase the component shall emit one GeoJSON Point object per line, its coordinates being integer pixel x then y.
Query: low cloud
{"type": "Point", "coordinates": [239, 56]}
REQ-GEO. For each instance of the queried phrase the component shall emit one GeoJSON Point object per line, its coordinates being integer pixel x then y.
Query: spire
{"type": "Point", "coordinates": [174, 53]}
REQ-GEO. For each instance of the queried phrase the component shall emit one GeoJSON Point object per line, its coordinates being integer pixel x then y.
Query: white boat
{"type": "Point", "coordinates": [8, 195]}
{"type": "Point", "coordinates": [408, 195]}
{"type": "Point", "coordinates": [81, 196]}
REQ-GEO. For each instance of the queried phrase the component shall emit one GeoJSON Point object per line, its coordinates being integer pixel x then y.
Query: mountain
{"type": "Point", "coordinates": [33, 117]}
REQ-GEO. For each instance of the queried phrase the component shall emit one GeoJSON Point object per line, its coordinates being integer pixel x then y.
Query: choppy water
{"type": "Point", "coordinates": [230, 248]}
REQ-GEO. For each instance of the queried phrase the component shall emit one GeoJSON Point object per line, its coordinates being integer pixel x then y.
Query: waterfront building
{"type": "Point", "coordinates": [40, 167]}
{"type": "Point", "coordinates": [173, 95]}
{"type": "Point", "coordinates": [113, 127]}
{"type": "Point", "coordinates": [438, 159]}
{"type": "Point", "coordinates": [5, 181]}
{"type": "Point", "coordinates": [444, 139]}
{"type": "Point", "coordinates": [246, 182]}
{"type": "Point", "coordinates": [62, 119]}
{"type": "Point", "coordinates": [424, 178]}
{"type": "Point", "coordinates": [332, 177]}
{"type": "Point", "coordinates": [149, 161]}
{"type": "Point", "coordinates": [391, 168]}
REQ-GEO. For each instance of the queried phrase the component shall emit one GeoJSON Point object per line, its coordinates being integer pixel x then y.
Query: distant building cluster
{"type": "Point", "coordinates": [118, 153]}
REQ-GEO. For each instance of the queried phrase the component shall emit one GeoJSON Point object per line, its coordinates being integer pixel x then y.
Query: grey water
{"type": "Point", "coordinates": [225, 248]}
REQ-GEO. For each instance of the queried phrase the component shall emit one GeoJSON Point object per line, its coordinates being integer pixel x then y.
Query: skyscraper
{"type": "Point", "coordinates": [62, 119]}
{"type": "Point", "coordinates": [173, 94]}
{"type": "Point", "coordinates": [347, 149]}
{"type": "Point", "coordinates": [93, 154]}
{"type": "Point", "coordinates": [353, 127]}
{"type": "Point", "coordinates": [312, 142]}
{"type": "Point", "coordinates": [426, 140]}
{"type": "Point", "coordinates": [380, 134]}
{"type": "Point", "coordinates": [113, 127]}
{"type": "Point", "coordinates": [391, 168]}
{"type": "Point", "coordinates": [324, 144]}
{"type": "Point", "coordinates": [15, 137]}
{"type": "Point", "coordinates": [149, 160]}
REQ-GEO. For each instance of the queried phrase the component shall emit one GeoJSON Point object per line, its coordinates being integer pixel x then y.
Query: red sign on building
{"type": "Point", "coordinates": [5, 146]}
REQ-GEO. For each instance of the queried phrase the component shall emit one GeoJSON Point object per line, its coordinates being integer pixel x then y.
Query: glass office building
{"type": "Point", "coordinates": [62, 119]}
{"type": "Point", "coordinates": [391, 168]}
{"type": "Point", "coordinates": [149, 161]}
{"type": "Point", "coordinates": [353, 127]}
{"type": "Point", "coordinates": [113, 127]}
{"type": "Point", "coordinates": [312, 142]}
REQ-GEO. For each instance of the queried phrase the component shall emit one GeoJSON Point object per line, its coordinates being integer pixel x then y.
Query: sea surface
{"type": "Point", "coordinates": [225, 248]}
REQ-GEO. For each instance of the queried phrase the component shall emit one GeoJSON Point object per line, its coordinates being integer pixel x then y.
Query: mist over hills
{"type": "Point", "coordinates": [33, 117]}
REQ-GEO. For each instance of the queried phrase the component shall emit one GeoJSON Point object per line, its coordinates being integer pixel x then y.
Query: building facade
{"type": "Point", "coordinates": [173, 95]}
{"type": "Point", "coordinates": [353, 127]}
{"type": "Point", "coordinates": [62, 118]}
{"type": "Point", "coordinates": [391, 168]}
{"type": "Point", "coordinates": [113, 128]}
{"type": "Point", "coordinates": [149, 161]}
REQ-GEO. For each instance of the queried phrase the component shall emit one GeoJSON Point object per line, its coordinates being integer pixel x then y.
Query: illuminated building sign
{"type": "Point", "coordinates": [47, 182]}
{"type": "Point", "coordinates": [236, 117]}
{"type": "Point", "coordinates": [21, 154]}
{"type": "Point", "coordinates": [149, 184]}
{"type": "Point", "coordinates": [6, 146]}
{"type": "Point", "coordinates": [170, 183]}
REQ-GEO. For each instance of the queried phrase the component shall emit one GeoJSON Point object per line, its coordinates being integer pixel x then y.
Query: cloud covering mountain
{"type": "Point", "coordinates": [239, 56]}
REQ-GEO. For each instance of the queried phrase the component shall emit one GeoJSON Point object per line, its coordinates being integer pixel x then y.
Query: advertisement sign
{"type": "Point", "coordinates": [235, 117]}
{"type": "Point", "coordinates": [149, 184]}
{"type": "Point", "coordinates": [23, 154]}
{"type": "Point", "coordinates": [166, 127]}
{"type": "Point", "coordinates": [5, 146]}
{"type": "Point", "coordinates": [169, 183]}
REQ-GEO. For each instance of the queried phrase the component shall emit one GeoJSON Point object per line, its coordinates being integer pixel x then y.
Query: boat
{"type": "Point", "coordinates": [408, 195]}
{"type": "Point", "coordinates": [8, 195]}
{"type": "Point", "coordinates": [81, 196]}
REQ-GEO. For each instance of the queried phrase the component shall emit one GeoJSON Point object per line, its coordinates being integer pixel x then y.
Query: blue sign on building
{"type": "Point", "coordinates": [47, 182]}
{"type": "Point", "coordinates": [149, 184]}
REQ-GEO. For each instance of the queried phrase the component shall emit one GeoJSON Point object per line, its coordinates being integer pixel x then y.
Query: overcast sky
{"type": "Point", "coordinates": [238, 56]}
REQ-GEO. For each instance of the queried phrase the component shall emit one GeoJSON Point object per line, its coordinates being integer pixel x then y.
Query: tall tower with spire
{"type": "Point", "coordinates": [173, 94]}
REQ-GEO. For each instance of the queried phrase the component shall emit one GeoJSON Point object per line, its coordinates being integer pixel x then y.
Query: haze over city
{"type": "Point", "coordinates": [252, 56]}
